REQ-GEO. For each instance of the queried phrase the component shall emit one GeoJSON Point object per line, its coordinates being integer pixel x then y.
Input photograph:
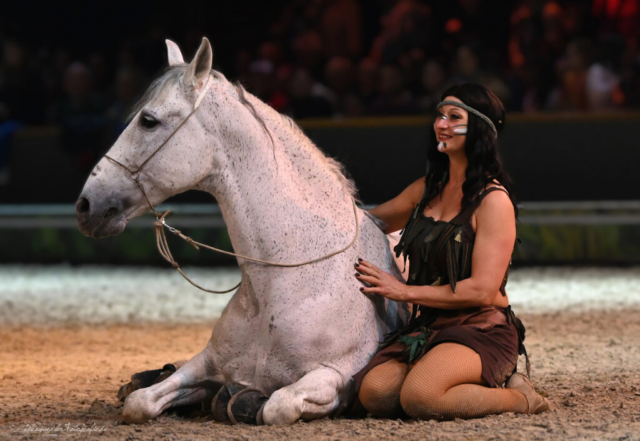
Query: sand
{"type": "Point", "coordinates": [60, 383]}
{"type": "Point", "coordinates": [70, 336]}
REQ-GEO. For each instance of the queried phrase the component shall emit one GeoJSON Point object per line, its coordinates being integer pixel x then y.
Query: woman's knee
{"type": "Point", "coordinates": [380, 390]}
{"type": "Point", "coordinates": [420, 400]}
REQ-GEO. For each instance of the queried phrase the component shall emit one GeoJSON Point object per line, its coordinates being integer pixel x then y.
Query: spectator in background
{"type": "Point", "coordinates": [280, 99]}
{"type": "Point", "coordinates": [434, 84]}
{"type": "Point", "coordinates": [271, 52]}
{"type": "Point", "coordinates": [391, 96]}
{"type": "Point", "coordinates": [21, 98]}
{"type": "Point", "coordinates": [244, 58]}
{"type": "Point", "coordinates": [304, 104]}
{"type": "Point", "coordinates": [268, 84]}
{"type": "Point", "coordinates": [531, 76]}
{"type": "Point", "coordinates": [53, 74]}
{"type": "Point", "coordinates": [466, 65]}
{"type": "Point", "coordinates": [309, 52]}
{"type": "Point", "coordinates": [339, 77]}
{"type": "Point", "coordinates": [467, 68]}
{"type": "Point", "coordinates": [572, 70]}
{"type": "Point", "coordinates": [630, 75]}
{"type": "Point", "coordinates": [405, 26]}
{"type": "Point", "coordinates": [368, 73]}
{"type": "Point", "coordinates": [297, 17]}
{"type": "Point", "coordinates": [603, 76]}
{"type": "Point", "coordinates": [80, 113]}
{"type": "Point", "coordinates": [618, 16]}
{"type": "Point", "coordinates": [100, 76]}
{"type": "Point", "coordinates": [262, 79]}
{"type": "Point", "coordinates": [128, 90]}
{"type": "Point", "coordinates": [271, 74]}
{"type": "Point", "coordinates": [21, 93]}
{"type": "Point", "coordinates": [340, 27]}
{"type": "Point", "coordinates": [553, 32]}
{"type": "Point", "coordinates": [411, 62]}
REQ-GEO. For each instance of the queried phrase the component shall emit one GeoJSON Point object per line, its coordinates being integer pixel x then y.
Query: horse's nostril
{"type": "Point", "coordinates": [82, 206]}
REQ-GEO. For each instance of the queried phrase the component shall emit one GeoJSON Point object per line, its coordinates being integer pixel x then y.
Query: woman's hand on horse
{"type": "Point", "coordinates": [381, 282]}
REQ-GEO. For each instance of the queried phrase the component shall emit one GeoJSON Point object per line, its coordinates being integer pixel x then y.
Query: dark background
{"type": "Point", "coordinates": [361, 78]}
{"type": "Point", "coordinates": [567, 71]}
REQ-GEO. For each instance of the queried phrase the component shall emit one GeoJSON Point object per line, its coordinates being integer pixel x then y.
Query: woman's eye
{"type": "Point", "coordinates": [454, 116]}
{"type": "Point", "coordinates": [148, 122]}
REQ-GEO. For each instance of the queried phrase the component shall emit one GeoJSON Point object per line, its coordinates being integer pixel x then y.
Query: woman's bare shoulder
{"type": "Point", "coordinates": [495, 184]}
{"type": "Point", "coordinates": [496, 204]}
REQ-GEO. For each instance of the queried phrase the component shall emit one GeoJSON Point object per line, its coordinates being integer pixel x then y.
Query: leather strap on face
{"type": "Point", "coordinates": [135, 174]}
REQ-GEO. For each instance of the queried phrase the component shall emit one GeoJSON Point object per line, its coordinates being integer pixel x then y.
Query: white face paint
{"type": "Point", "coordinates": [442, 146]}
{"type": "Point", "coordinates": [460, 129]}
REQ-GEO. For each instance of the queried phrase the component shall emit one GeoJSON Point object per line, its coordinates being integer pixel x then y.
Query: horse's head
{"type": "Point", "coordinates": [111, 197]}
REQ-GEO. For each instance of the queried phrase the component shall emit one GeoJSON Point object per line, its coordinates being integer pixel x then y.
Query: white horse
{"type": "Point", "coordinates": [297, 334]}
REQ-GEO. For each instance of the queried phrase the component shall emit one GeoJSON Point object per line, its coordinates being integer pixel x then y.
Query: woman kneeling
{"type": "Point", "coordinates": [462, 342]}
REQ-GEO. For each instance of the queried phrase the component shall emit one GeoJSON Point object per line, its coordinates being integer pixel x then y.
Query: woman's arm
{"type": "Point", "coordinates": [396, 212]}
{"type": "Point", "coordinates": [495, 238]}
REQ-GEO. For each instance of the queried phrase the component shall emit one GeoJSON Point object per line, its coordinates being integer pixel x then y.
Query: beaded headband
{"type": "Point", "coordinates": [482, 116]}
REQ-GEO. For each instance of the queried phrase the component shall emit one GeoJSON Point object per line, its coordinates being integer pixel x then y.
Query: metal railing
{"type": "Point", "coordinates": [209, 215]}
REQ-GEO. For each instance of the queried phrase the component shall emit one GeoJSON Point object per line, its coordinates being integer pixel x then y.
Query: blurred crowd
{"type": "Point", "coordinates": [536, 55]}
{"type": "Point", "coordinates": [351, 58]}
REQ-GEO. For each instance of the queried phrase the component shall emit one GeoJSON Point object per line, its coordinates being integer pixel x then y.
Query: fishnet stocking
{"type": "Point", "coordinates": [447, 383]}
{"type": "Point", "coordinates": [380, 389]}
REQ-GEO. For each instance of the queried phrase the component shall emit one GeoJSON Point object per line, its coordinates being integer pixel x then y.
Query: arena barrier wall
{"type": "Point", "coordinates": [590, 160]}
{"type": "Point", "coordinates": [551, 157]}
{"type": "Point", "coordinates": [568, 233]}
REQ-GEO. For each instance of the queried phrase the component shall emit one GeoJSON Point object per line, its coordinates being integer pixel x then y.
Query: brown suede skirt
{"type": "Point", "coordinates": [493, 332]}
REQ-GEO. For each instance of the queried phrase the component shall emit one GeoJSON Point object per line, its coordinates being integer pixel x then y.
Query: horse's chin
{"type": "Point", "coordinates": [106, 228]}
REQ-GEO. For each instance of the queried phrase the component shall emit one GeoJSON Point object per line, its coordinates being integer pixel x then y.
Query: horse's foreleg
{"type": "Point", "coordinates": [315, 395]}
{"type": "Point", "coordinates": [192, 383]}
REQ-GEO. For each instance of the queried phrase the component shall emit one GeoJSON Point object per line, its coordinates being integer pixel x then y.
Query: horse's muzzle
{"type": "Point", "coordinates": [100, 218]}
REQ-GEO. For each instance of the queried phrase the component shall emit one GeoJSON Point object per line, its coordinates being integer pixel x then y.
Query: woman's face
{"type": "Point", "coordinates": [451, 127]}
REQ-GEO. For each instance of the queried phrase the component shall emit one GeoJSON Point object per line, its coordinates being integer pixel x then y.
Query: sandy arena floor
{"type": "Point", "coordinates": [60, 381]}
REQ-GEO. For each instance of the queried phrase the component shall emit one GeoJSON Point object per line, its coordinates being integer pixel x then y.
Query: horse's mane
{"type": "Point", "coordinates": [334, 166]}
{"type": "Point", "coordinates": [174, 74]}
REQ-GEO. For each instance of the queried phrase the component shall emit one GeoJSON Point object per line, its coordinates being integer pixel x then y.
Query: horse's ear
{"type": "Point", "coordinates": [199, 68]}
{"type": "Point", "coordinates": [173, 54]}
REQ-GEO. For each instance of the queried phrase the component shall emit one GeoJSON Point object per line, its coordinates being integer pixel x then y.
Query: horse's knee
{"type": "Point", "coordinates": [283, 407]}
{"type": "Point", "coordinates": [316, 395]}
{"type": "Point", "coordinates": [139, 407]}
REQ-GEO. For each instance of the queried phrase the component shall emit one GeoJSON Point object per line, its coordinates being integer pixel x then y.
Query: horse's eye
{"type": "Point", "coordinates": [148, 122]}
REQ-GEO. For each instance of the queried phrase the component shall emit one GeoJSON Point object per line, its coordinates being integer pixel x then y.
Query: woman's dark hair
{"type": "Point", "coordinates": [481, 148]}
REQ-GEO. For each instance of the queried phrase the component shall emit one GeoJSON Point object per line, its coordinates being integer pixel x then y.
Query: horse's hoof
{"type": "Point", "coordinates": [221, 400]}
{"type": "Point", "coordinates": [148, 378]}
{"type": "Point", "coordinates": [139, 381]}
{"type": "Point", "coordinates": [246, 407]}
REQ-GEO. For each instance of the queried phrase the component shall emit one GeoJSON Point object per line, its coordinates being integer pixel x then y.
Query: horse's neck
{"type": "Point", "coordinates": [279, 200]}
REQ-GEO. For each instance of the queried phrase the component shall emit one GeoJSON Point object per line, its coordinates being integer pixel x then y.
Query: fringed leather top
{"type": "Point", "coordinates": [440, 252]}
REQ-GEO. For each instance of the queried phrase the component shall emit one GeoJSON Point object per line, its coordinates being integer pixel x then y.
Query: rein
{"type": "Point", "coordinates": [161, 237]}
